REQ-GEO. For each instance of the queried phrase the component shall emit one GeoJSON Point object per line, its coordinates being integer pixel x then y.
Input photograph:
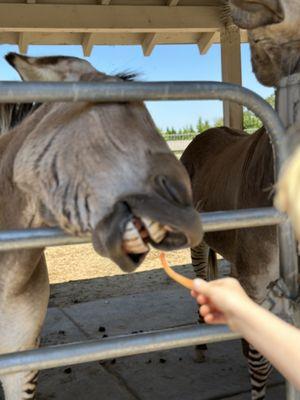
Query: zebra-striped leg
{"type": "Point", "coordinates": [20, 386]}
{"type": "Point", "coordinates": [22, 312]}
{"type": "Point", "coordinates": [259, 370]}
{"type": "Point", "coordinates": [199, 257]}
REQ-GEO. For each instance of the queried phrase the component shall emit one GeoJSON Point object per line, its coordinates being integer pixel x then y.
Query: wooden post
{"type": "Point", "coordinates": [231, 73]}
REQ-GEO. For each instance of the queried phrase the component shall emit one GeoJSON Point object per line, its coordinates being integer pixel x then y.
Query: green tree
{"type": "Point", "coordinates": [251, 122]}
{"type": "Point", "coordinates": [202, 125]}
{"type": "Point", "coordinates": [219, 122]}
{"type": "Point", "coordinates": [271, 100]}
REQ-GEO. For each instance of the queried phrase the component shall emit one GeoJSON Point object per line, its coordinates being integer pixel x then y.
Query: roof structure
{"type": "Point", "coordinates": [146, 23]}
{"type": "Point", "coordinates": [111, 22]}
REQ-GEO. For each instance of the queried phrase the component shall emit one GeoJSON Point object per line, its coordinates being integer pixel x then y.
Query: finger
{"type": "Point", "coordinates": [201, 299]}
{"type": "Point", "coordinates": [215, 318]}
{"type": "Point", "coordinates": [201, 286]}
{"type": "Point", "coordinates": [206, 309]}
{"type": "Point", "coordinates": [194, 293]}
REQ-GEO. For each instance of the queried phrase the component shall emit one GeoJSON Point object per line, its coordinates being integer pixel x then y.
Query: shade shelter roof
{"type": "Point", "coordinates": [146, 23]}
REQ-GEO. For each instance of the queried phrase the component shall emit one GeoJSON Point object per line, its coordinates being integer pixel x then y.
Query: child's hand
{"type": "Point", "coordinates": [221, 301]}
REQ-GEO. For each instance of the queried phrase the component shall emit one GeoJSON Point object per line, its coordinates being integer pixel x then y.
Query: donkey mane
{"type": "Point", "coordinates": [11, 114]}
{"type": "Point", "coordinates": [127, 76]}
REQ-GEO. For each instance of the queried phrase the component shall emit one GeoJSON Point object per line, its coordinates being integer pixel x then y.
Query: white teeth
{"type": "Point", "coordinates": [132, 241]}
{"type": "Point", "coordinates": [156, 231]}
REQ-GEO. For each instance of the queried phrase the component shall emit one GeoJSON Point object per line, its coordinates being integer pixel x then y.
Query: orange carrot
{"type": "Point", "coordinates": [186, 282]}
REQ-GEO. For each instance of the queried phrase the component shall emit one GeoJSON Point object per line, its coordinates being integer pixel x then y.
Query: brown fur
{"type": "Point", "coordinates": [231, 170]}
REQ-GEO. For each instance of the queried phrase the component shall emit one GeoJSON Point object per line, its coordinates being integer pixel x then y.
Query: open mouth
{"type": "Point", "coordinates": [141, 232]}
{"type": "Point", "coordinates": [126, 234]}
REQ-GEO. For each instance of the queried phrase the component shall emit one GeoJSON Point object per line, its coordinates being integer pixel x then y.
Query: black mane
{"type": "Point", "coordinates": [127, 76]}
{"type": "Point", "coordinates": [11, 114]}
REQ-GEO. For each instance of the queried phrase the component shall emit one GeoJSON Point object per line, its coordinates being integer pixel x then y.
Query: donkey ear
{"type": "Point", "coordinates": [54, 68]}
{"type": "Point", "coordinates": [251, 14]}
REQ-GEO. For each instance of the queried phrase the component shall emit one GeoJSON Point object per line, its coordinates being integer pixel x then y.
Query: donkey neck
{"type": "Point", "coordinates": [258, 171]}
{"type": "Point", "coordinates": [18, 211]}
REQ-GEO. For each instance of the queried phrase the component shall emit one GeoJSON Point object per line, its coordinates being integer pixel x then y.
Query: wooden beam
{"type": "Point", "coordinates": [206, 40]}
{"type": "Point", "coordinates": [149, 43]}
{"type": "Point", "coordinates": [23, 43]}
{"type": "Point", "coordinates": [30, 1]}
{"type": "Point", "coordinates": [49, 18]}
{"type": "Point", "coordinates": [232, 73]}
{"type": "Point", "coordinates": [87, 43]}
{"type": "Point", "coordinates": [172, 3]}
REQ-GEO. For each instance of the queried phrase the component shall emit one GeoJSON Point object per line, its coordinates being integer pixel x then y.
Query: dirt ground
{"type": "Point", "coordinates": [78, 274]}
{"type": "Point", "coordinates": [72, 263]}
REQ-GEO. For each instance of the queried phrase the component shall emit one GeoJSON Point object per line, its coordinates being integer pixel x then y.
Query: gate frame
{"type": "Point", "coordinates": [13, 92]}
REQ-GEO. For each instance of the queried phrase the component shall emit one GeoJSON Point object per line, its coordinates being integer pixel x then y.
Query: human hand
{"type": "Point", "coordinates": [222, 301]}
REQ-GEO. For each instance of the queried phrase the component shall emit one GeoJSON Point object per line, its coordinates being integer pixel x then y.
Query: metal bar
{"type": "Point", "coordinates": [122, 346]}
{"type": "Point", "coordinates": [237, 219]}
{"type": "Point", "coordinates": [11, 92]}
{"type": "Point", "coordinates": [212, 221]}
{"type": "Point", "coordinates": [288, 264]}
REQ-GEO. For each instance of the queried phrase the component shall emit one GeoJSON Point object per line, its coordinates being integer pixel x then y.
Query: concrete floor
{"type": "Point", "coordinates": [172, 375]}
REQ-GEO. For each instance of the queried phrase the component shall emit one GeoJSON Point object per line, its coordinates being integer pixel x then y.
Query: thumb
{"type": "Point", "coordinates": [201, 286]}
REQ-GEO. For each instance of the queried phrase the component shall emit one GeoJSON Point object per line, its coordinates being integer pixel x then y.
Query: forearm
{"type": "Point", "coordinates": [278, 341]}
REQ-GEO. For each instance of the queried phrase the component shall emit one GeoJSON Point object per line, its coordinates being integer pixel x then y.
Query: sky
{"type": "Point", "coordinates": [167, 62]}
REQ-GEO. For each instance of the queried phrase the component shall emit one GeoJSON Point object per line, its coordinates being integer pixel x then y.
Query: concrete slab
{"type": "Point", "coordinates": [134, 313]}
{"type": "Point", "coordinates": [83, 382]}
{"type": "Point", "coordinates": [174, 372]}
{"type": "Point", "coordinates": [175, 375]}
{"type": "Point", "coordinates": [59, 329]}
{"type": "Point", "coordinates": [276, 392]}
{"type": "Point", "coordinates": [170, 374]}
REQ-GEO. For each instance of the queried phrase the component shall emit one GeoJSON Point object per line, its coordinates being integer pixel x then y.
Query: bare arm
{"type": "Point", "coordinates": [224, 301]}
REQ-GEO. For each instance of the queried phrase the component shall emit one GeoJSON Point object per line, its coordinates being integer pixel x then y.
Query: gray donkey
{"type": "Point", "coordinates": [87, 168]}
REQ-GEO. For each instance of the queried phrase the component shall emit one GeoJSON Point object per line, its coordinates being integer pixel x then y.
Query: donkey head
{"type": "Point", "coordinates": [102, 168]}
{"type": "Point", "coordinates": [274, 36]}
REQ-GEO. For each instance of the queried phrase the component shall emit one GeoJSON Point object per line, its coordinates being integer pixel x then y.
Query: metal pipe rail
{"type": "Point", "coordinates": [12, 92]}
{"type": "Point", "coordinates": [77, 353]}
{"type": "Point", "coordinates": [211, 222]}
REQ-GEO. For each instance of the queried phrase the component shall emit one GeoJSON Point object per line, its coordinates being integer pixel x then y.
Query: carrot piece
{"type": "Point", "coordinates": [186, 282]}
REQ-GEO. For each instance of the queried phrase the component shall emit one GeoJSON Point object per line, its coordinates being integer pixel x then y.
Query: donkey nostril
{"type": "Point", "coordinates": [174, 191]}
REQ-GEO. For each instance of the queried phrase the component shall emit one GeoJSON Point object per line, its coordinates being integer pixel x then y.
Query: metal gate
{"type": "Point", "coordinates": [49, 357]}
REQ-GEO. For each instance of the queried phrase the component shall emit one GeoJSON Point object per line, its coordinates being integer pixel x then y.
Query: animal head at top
{"type": "Point", "coordinates": [101, 168]}
{"type": "Point", "coordinates": [274, 35]}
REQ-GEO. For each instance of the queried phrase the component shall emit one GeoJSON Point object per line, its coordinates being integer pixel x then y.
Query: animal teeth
{"type": "Point", "coordinates": [156, 231]}
{"type": "Point", "coordinates": [132, 241]}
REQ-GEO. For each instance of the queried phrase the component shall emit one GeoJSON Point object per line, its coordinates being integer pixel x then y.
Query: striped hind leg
{"type": "Point", "coordinates": [201, 262]}
{"type": "Point", "coordinates": [22, 313]}
{"type": "Point", "coordinates": [259, 369]}
{"type": "Point", "coordinates": [20, 386]}
{"type": "Point", "coordinates": [199, 256]}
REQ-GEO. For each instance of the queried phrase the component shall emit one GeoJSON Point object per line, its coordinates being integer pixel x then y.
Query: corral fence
{"type": "Point", "coordinates": [49, 357]}
{"type": "Point", "coordinates": [178, 142]}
